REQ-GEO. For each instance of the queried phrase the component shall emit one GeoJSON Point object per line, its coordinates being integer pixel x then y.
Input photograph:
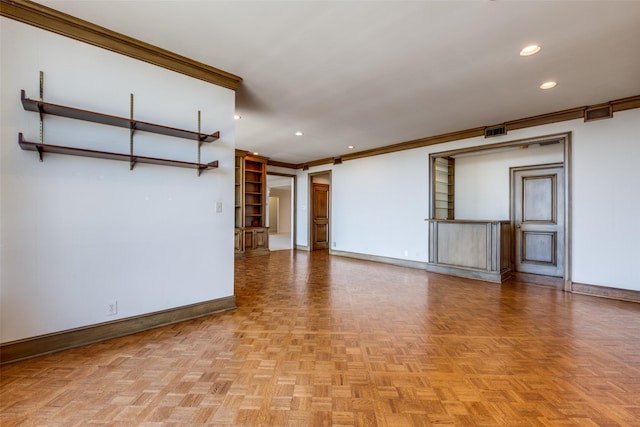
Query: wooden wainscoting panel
{"type": "Point", "coordinates": [470, 248]}
{"type": "Point", "coordinates": [472, 253]}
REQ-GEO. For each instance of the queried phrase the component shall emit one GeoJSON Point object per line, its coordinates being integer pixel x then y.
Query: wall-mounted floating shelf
{"type": "Point", "coordinates": [105, 119]}
{"type": "Point", "coordinates": [45, 108]}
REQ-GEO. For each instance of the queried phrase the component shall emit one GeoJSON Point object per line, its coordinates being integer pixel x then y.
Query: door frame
{"type": "Point", "coordinates": [513, 209]}
{"type": "Point", "coordinates": [310, 183]}
{"type": "Point", "coordinates": [563, 138]}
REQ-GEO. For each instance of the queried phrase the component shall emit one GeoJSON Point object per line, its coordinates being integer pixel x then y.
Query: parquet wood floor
{"type": "Point", "coordinates": [320, 340]}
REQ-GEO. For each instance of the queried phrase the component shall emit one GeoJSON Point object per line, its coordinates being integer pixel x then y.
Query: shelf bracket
{"type": "Point", "coordinates": [40, 152]}
{"type": "Point", "coordinates": [209, 165]}
{"type": "Point", "coordinates": [37, 147]}
{"type": "Point", "coordinates": [41, 113]}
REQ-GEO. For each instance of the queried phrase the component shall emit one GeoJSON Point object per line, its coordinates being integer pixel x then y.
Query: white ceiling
{"type": "Point", "coordinates": [376, 73]}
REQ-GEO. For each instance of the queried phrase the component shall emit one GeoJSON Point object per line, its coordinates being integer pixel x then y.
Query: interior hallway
{"type": "Point", "coordinates": [325, 340]}
{"type": "Point", "coordinates": [280, 241]}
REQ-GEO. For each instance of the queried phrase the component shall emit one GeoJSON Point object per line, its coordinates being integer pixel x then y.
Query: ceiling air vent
{"type": "Point", "coordinates": [337, 161]}
{"type": "Point", "coordinates": [496, 130]}
{"type": "Point", "coordinates": [597, 112]}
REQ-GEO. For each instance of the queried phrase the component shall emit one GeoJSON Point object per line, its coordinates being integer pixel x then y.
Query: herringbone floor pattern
{"type": "Point", "coordinates": [320, 340]}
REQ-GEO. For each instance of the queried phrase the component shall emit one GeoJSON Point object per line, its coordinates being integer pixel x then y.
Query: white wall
{"type": "Point", "coordinates": [378, 204]}
{"type": "Point", "coordinates": [77, 233]}
{"type": "Point", "coordinates": [379, 210]}
{"type": "Point", "coordinates": [482, 182]}
{"type": "Point", "coordinates": [606, 202]}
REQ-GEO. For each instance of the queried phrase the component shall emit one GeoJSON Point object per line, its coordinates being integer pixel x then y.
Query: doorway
{"type": "Point", "coordinates": [274, 214]}
{"type": "Point", "coordinates": [538, 218]}
{"type": "Point", "coordinates": [281, 211]}
{"type": "Point", "coordinates": [319, 210]}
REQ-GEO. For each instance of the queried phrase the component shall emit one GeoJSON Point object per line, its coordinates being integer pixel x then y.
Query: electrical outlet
{"type": "Point", "coordinates": [334, 244]}
{"type": "Point", "coordinates": [112, 308]}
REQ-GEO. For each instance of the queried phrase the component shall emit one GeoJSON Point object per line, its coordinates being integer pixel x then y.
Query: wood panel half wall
{"type": "Point", "coordinates": [470, 248]}
{"type": "Point", "coordinates": [50, 343]}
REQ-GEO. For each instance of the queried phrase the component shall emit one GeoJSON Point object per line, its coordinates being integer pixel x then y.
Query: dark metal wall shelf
{"type": "Point", "coordinates": [105, 119]}
{"type": "Point", "coordinates": [46, 148]}
{"type": "Point", "coordinates": [45, 108]}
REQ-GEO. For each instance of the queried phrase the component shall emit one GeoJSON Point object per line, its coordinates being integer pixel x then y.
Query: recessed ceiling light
{"type": "Point", "coordinates": [255, 153]}
{"type": "Point", "coordinates": [350, 147]}
{"type": "Point", "coordinates": [548, 85]}
{"type": "Point", "coordinates": [299, 133]}
{"type": "Point", "coordinates": [530, 50]}
{"type": "Point", "coordinates": [237, 117]}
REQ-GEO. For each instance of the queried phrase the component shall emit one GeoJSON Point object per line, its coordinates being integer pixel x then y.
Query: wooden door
{"type": "Point", "coordinates": [539, 220]}
{"type": "Point", "coordinates": [319, 216]}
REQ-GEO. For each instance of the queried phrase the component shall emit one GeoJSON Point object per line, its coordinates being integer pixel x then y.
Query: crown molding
{"type": "Point", "coordinates": [40, 16]}
{"type": "Point", "coordinates": [43, 17]}
{"type": "Point", "coordinates": [279, 164]}
{"type": "Point", "coordinates": [625, 103]}
{"type": "Point", "coordinates": [543, 119]}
